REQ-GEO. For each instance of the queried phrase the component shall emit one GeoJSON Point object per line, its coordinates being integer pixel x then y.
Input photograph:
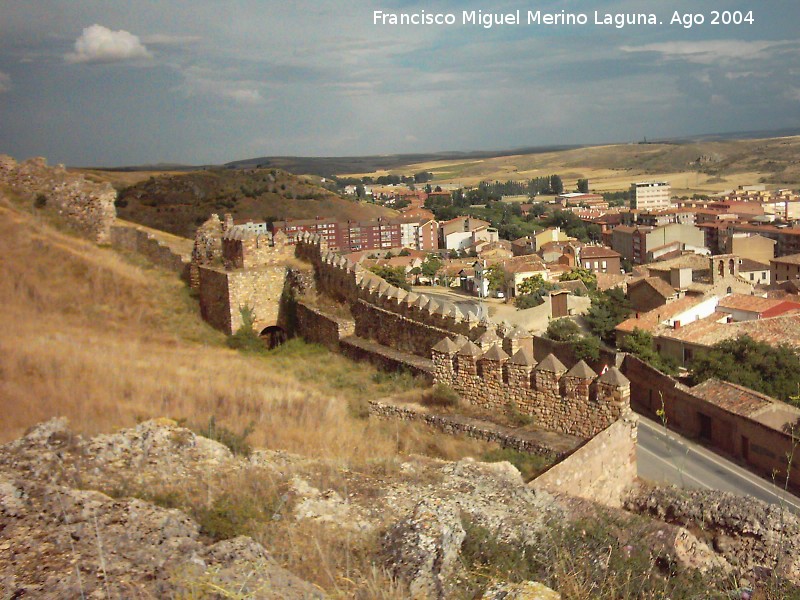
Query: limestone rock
{"type": "Point", "coordinates": [527, 590]}
{"type": "Point", "coordinates": [423, 548]}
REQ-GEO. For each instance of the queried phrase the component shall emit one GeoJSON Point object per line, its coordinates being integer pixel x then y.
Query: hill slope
{"type": "Point", "coordinates": [697, 165]}
{"type": "Point", "coordinates": [179, 203]}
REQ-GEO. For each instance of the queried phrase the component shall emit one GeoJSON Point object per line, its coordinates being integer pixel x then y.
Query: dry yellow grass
{"type": "Point", "coordinates": [106, 340]}
{"type": "Point", "coordinates": [615, 167]}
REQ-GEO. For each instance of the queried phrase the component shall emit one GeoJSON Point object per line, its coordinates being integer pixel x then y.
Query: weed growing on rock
{"type": "Point", "coordinates": [236, 442]}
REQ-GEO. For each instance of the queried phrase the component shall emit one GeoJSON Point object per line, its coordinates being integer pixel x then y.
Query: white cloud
{"type": "Point", "coordinates": [710, 51]}
{"type": "Point", "coordinates": [199, 81]}
{"type": "Point", "coordinates": [5, 82]}
{"type": "Point", "coordinates": [160, 39]}
{"type": "Point", "coordinates": [98, 44]}
{"type": "Point", "coordinates": [241, 95]}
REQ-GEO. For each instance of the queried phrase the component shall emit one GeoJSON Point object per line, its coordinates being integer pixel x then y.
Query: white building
{"type": "Point", "coordinates": [650, 195]}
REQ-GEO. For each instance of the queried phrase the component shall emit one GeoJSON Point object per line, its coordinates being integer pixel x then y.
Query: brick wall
{"type": "Point", "coordinates": [602, 470]}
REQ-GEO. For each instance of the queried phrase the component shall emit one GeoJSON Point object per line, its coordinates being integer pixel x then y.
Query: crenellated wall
{"type": "Point", "coordinates": [393, 317]}
{"type": "Point", "coordinates": [574, 401]}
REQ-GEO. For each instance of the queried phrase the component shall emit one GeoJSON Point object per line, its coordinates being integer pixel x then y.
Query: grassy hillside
{"type": "Point", "coordinates": [178, 203]}
{"type": "Point", "coordinates": [704, 166]}
{"type": "Point", "coordinates": [106, 340]}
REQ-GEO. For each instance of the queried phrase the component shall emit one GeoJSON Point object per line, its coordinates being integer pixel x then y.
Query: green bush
{"type": "Point", "coordinates": [236, 442]}
{"type": "Point", "coordinates": [440, 395]}
{"type": "Point", "coordinates": [245, 338]}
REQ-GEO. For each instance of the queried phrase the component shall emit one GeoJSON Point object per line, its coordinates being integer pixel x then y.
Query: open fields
{"type": "Point", "coordinates": [699, 167]}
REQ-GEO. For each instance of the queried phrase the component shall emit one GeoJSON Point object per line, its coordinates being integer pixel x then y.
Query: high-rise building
{"type": "Point", "coordinates": [650, 195]}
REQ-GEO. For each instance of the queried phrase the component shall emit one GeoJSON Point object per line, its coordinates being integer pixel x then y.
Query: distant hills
{"type": "Point", "coordinates": [178, 203]}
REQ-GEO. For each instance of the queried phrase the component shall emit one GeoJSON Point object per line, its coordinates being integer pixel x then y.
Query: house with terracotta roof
{"type": "Point", "coordinates": [600, 259]}
{"type": "Point", "coordinates": [516, 269]}
{"type": "Point", "coordinates": [742, 307]}
{"type": "Point", "coordinates": [457, 233]}
{"type": "Point", "coordinates": [648, 293]}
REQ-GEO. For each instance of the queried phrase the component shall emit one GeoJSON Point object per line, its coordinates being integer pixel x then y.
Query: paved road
{"type": "Point", "coordinates": [666, 457]}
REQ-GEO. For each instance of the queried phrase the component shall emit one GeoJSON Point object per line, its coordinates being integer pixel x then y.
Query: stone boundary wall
{"type": "Point", "coordinates": [86, 206]}
{"type": "Point", "coordinates": [403, 320]}
{"type": "Point", "coordinates": [765, 449]}
{"type": "Point", "coordinates": [577, 401]}
{"type": "Point", "coordinates": [602, 470]}
{"type": "Point", "coordinates": [317, 327]}
{"type": "Point", "coordinates": [454, 426]}
{"type": "Point", "coordinates": [146, 244]}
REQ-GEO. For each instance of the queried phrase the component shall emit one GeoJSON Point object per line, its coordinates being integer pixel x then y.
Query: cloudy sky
{"type": "Point", "coordinates": [119, 83]}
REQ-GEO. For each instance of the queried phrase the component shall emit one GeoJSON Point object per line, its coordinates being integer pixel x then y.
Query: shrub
{"type": "Point", "coordinates": [440, 395]}
{"type": "Point", "coordinates": [236, 442]}
{"type": "Point", "coordinates": [245, 338]}
{"type": "Point", "coordinates": [40, 202]}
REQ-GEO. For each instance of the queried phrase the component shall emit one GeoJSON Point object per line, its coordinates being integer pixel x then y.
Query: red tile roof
{"type": "Point", "coordinates": [734, 398]}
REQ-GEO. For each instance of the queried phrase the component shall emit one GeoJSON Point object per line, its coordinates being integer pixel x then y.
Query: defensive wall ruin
{"type": "Point", "coordinates": [133, 239]}
{"type": "Point", "coordinates": [234, 269]}
{"type": "Point", "coordinates": [575, 401]}
{"type": "Point", "coordinates": [86, 206]}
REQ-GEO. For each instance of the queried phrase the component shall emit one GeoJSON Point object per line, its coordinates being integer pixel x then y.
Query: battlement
{"type": "Point", "coordinates": [575, 401]}
{"type": "Point", "coordinates": [394, 317]}
{"type": "Point", "coordinates": [244, 249]}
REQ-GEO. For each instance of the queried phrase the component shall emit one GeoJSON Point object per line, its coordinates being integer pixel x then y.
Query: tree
{"type": "Point", "coordinates": [395, 276]}
{"type": "Point", "coordinates": [640, 343]}
{"type": "Point", "coordinates": [534, 285]}
{"type": "Point", "coordinates": [562, 330]}
{"type": "Point", "coordinates": [496, 277]}
{"type": "Point", "coordinates": [772, 370]}
{"type": "Point", "coordinates": [588, 278]}
{"type": "Point", "coordinates": [608, 309]}
{"type": "Point", "coordinates": [404, 252]}
{"type": "Point", "coordinates": [431, 266]}
{"type": "Point", "coordinates": [556, 185]}
{"type": "Point", "coordinates": [583, 186]}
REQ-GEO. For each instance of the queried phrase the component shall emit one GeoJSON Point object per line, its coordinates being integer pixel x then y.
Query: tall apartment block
{"type": "Point", "coordinates": [650, 195]}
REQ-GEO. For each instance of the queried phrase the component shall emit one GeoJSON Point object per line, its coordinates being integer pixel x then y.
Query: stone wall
{"type": "Point", "coordinates": [602, 470]}
{"type": "Point", "coordinates": [223, 293]}
{"type": "Point", "coordinates": [765, 449]}
{"type": "Point", "coordinates": [574, 401]}
{"type": "Point", "coordinates": [315, 326]}
{"type": "Point", "coordinates": [86, 206]}
{"type": "Point", "coordinates": [385, 358]}
{"type": "Point", "coordinates": [406, 321]}
{"type": "Point", "coordinates": [139, 241]}
{"type": "Point", "coordinates": [460, 426]}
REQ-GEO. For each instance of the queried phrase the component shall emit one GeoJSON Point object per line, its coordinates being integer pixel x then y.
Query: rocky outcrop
{"type": "Point", "coordinates": [76, 519]}
{"type": "Point", "coordinates": [756, 538]}
{"type": "Point", "coordinates": [423, 548]}
{"type": "Point", "coordinates": [88, 207]}
{"type": "Point", "coordinates": [59, 542]}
